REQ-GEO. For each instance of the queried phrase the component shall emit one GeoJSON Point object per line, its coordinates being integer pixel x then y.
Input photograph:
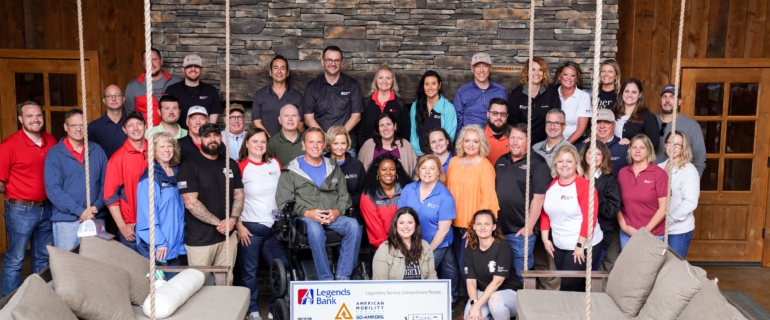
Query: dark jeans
{"type": "Point", "coordinates": [25, 224]}
{"type": "Point", "coordinates": [129, 244]}
{"type": "Point", "coordinates": [680, 242]}
{"type": "Point", "coordinates": [517, 245]}
{"type": "Point", "coordinates": [247, 260]}
{"type": "Point", "coordinates": [565, 261]}
{"type": "Point", "coordinates": [458, 246]}
{"type": "Point", "coordinates": [446, 267]}
{"type": "Point", "coordinates": [144, 249]}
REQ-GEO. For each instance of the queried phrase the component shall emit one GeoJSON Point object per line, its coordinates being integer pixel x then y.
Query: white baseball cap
{"type": "Point", "coordinates": [90, 228]}
{"type": "Point", "coordinates": [197, 109]}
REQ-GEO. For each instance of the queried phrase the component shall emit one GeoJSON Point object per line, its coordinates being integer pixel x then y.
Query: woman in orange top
{"type": "Point", "coordinates": [471, 180]}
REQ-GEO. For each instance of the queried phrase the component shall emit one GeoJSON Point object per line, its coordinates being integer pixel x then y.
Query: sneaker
{"type": "Point", "coordinates": [254, 316]}
{"type": "Point", "coordinates": [270, 315]}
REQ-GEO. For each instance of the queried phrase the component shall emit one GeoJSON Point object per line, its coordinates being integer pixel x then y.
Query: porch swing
{"type": "Point", "coordinates": [649, 280]}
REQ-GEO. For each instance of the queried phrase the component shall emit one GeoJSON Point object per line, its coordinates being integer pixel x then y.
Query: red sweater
{"type": "Point", "coordinates": [124, 169]}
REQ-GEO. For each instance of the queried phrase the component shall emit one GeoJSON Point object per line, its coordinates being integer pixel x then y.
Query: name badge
{"type": "Point", "coordinates": [182, 185]}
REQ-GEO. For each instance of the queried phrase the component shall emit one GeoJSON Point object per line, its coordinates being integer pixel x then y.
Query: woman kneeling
{"type": "Point", "coordinates": [405, 255]}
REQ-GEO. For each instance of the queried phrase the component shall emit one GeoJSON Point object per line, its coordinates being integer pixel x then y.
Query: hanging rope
{"type": "Point", "coordinates": [227, 133]}
{"type": "Point", "coordinates": [592, 163]}
{"type": "Point", "coordinates": [531, 64]}
{"type": "Point", "coordinates": [150, 149]}
{"type": "Point", "coordinates": [676, 108]}
{"type": "Point", "coordinates": [85, 105]}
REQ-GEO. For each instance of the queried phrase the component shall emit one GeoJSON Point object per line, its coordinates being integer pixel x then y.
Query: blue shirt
{"type": "Point", "coordinates": [438, 206]}
{"type": "Point", "coordinates": [109, 135]}
{"type": "Point", "coordinates": [472, 103]}
{"type": "Point", "coordinates": [317, 174]}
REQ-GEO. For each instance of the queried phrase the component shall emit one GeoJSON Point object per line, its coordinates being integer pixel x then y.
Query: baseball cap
{"type": "Point", "coordinates": [670, 88]}
{"type": "Point", "coordinates": [197, 109]}
{"type": "Point", "coordinates": [237, 106]}
{"type": "Point", "coordinates": [605, 115]}
{"type": "Point", "coordinates": [481, 57]}
{"type": "Point", "coordinates": [134, 114]}
{"type": "Point", "coordinates": [192, 60]}
{"type": "Point", "coordinates": [209, 127]}
{"type": "Point", "coordinates": [90, 228]}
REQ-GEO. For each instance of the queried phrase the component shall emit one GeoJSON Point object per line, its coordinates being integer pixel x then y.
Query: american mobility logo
{"type": "Point", "coordinates": [318, 296]}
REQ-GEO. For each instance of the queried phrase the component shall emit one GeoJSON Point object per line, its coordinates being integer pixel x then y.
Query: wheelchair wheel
{"type": "Point", "coordinates": [280, 310]}
{"type": "Point", "coordinates": [278, 281]}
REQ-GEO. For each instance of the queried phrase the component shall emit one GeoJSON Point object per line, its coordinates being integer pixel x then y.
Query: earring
{"type": "Point", "coordinates": [378, 177]}
{"type": "Point", "coordinates": [396, 177]}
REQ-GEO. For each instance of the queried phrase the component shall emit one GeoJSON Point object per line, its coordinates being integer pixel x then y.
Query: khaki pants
{"type": "Point", "coordinates": [544, 261]}
{"type": "Point", "coordinates": [214, 255]}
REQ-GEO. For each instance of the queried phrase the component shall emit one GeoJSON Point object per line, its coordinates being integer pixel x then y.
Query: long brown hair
{"type": "Point", "coordinates": [244, 152]}
{"type": "Point", "coordinates": [524, 77]}
{"type": "Point", "coordinates": [605, 167]}
{"type": "Point", "coordinates": [414, 253]}
{"type": "Point", "coordinates": [620, 106]}
{"type": "Point", "coordinates": [473, 239]}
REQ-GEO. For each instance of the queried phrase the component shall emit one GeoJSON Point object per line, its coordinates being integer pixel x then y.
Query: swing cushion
{"type": "Point", "coordinates": [559, 305]}
{"type": "Point", "coordinates": [175, 293]}
{"type": "Point", "coordinates": [675, 290]}
{"type": "Point", "coordinates": [634, 273]}
{"type": "Point", "coordinates": [34, 300]}
{"type": "Point", "coordinates": [118, 256]}
{"type": "Point", "coordinates": [92, 289]}
{"type": "Point", "coordinates": [709, 304]}
{"type": "Point", "coordinates": [210, 302]}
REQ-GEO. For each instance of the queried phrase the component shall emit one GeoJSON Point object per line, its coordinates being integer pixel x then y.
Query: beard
{"type": "Point", "coordinates": [495, 128]}
{"type": "Point", "coordinates": [210, 151]}
{"type": "Point", "coordinates": [664, 111]}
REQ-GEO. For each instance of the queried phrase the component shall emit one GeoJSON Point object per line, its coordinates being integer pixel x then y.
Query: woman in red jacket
{"type": "Point", "coordinates": [379, 201]}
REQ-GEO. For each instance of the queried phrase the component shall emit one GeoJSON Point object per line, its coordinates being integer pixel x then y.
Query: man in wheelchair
{"type": "Point", "coordinates": [318, 186]}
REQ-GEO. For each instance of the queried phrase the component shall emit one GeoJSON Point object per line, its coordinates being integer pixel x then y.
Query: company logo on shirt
{"type": "Point", "coordinates": [523, 167]}
{"type": "Point", "coordinates": [544, 106]}
{"type": "Point", "coordinates": [182, 185]}
{"type": "Point", "coordinates": [345, 93]}
{"type": "Point", "coordinates": [164, 184]}
{"type": "Point", "coordinates": [432, 206]}
{"type": "Point", "coordinates": [274, 173]}
{"type": "Point", "coordinates": [522, 107]}
{"type": "Point", "coordinates": [351, 176]}
{"type": "Point", "coordinates": [203, 97]}
{"type": "Point", "coordinates": [647, 181]}
{"type": "Point", "coordinates": [228, 173]}
{"type": "Point", "coordinates": [491, 265]}
{"type": "Point", "coordinates": [563, 197]}
{"type": "Point", "coordinates": [614, 158]}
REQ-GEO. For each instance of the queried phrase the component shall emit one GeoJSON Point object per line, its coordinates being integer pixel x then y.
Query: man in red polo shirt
{"type": "Point", "coordinates": [497, 129]}
{"type": "Point", "coordinates": [123, 172]}
{"type": "Point", "coordinates": [27, 209]}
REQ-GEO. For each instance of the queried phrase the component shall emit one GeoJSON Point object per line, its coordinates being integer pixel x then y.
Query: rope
{"type": "Point", "coordinates": [85, 104]}
{"type": "Point", "coordinates": [676, 107]}
{"type": "Point", "coordinates": [227, 132]}
{"type": "Point", "coordinates": [592, 163]}
{"type": "Point", "coordinates": [150, 149]}
{"type": "Point", "coordinates": [529, 128]}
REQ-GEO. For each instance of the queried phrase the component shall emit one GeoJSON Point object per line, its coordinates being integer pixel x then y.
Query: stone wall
{"type": "Point", "coordinates": [410, 35]}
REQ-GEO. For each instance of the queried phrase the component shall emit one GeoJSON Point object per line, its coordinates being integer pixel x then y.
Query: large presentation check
{"type": "Point", "coordinates": [354, 300]}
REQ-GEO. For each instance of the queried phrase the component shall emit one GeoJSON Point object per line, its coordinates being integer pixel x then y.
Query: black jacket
{"type": "Point", "coordinates": [609, 204]}
{"type": "Point", "coordinates": [368, 124]}
{"type": "Point", "coordinates": [354, 179]}
{"type": "Point", "coordinates": [648, 126]}
{"type": "Point", "coordinates": [546, 99]}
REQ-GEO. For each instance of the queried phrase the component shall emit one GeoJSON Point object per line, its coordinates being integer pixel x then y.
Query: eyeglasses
{"type": "Point", "coordinates": [76, 126]}
{"type": "Point", "coordinates": [237, 118]}
{"type": "Point", "coordinates": [333, 61]}
{"type": "Point", "coordinates": [113, 96]}
{"type": "Point", "coordinates": [553, 124]}
{"type": "Point", "coordinates": [676, 145]}
{"type": "Point", "coordinates": [663, 128]}
{"type": "Point", "coordinates": [498, 114]}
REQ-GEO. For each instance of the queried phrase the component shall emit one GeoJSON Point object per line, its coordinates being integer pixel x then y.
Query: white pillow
{"type": "Point", "coordinates": [175, 293]}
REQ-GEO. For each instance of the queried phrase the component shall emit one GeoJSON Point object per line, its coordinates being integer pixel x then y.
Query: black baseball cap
{"type": "Point", "coordinates": [670, 88]}
{"type": "Point", "coordinates": [134, 114]}
{"type": "Point", "coordinates": [209, 127]}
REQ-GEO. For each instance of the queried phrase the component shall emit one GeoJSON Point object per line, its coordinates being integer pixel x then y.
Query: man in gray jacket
{"type": "Point", "coordinates": [318, 186]}
{"type": "Point", "coordinates": [688, 125]}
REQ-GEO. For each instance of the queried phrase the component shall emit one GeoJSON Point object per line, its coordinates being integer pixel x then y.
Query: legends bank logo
{"type": "Point", "coordinates": [318, 296]}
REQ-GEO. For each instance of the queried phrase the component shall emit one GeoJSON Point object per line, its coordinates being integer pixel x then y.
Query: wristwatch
{"type": "Point", "coordinates": [579, 245]}
{"type": "Point", "coordinates": [236, 219]}
{"type": "Point", "coordinates": [473, 301]}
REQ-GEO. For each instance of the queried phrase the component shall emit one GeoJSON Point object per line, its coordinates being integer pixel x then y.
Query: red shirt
{"type": "Point", "coordinates": [123, 172]}
{"type": "Point", "coordinates": [21, 166]}
{"type": "Point", "coordinates": [78, 155]}
{"type": "Point", "coordinates": [378, 211]}
{"type": "Point", "coordinates": [640, 194]}
{"type": "Point", "coordinates": [377, 100]}
{"type": "Point", "coordinates": [497, 148]}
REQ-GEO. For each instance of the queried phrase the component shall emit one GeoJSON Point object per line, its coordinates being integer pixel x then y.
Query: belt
{"type": "Point", "coordinates": [29, 203]}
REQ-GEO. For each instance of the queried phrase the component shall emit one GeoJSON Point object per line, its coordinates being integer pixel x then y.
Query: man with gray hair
{"type": "Point", "coordinates": [554, 128]}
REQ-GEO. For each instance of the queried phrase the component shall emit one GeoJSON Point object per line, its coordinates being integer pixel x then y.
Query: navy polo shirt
{"type": "Point", "coordinates": [107, 134]}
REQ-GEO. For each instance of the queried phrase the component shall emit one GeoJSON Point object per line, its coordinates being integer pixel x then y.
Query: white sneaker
{"type": "Point", "coordinates": [270, 315]}
{"type": "Point", "coordinates": [254, 316]}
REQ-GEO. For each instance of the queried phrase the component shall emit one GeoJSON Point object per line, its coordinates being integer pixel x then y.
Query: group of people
{"type": "Point", "coordinates": [437, 188]}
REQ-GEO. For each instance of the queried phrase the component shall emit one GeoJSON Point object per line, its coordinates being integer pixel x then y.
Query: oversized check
{"type": "Point", "coordinates": [362, 300]}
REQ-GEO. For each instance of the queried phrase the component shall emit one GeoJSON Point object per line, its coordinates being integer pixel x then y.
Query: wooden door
{"type": "Point", "coordinates": [732, 105]}
{"type": "Point", "coordinates": [51, 78]}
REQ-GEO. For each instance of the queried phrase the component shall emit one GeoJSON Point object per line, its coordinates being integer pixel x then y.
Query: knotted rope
{"type": "Point", "coordinates": [669, 149]}
{"type": "Point", "coordinates": [150, 149]}
{"type": "Point", "coordinates": [529, 128]}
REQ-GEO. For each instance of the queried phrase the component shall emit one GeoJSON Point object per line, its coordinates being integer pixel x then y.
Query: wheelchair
{"type": "Point", "coordinates": [301, 266]}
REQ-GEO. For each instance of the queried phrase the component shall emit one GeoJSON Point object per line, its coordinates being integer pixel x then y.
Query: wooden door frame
{"type": "Point", "coordinates": [737, 63]}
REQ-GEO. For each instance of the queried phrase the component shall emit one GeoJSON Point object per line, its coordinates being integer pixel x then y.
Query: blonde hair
{"type": "Point", "coordinates": [647, 144]}
{"type": "Point", "coordinates": [426, 158]}
{"type": "Point", "coordinates": [484, 148]}
{"type": "Point", "coordinates": [564, 150]}
{"type": "Point", "coordinates": [332, 134]}
{"type": "Point", "coordinates": [686, 156]}
{"type": "Point", "coordinates": [393, 74]}
{"type": "Point", "coordinates": [524, 77]}
{"type": "Point", "coordinates": [614, 64]}
{"type": "Point", "coordinates": [159, 137]}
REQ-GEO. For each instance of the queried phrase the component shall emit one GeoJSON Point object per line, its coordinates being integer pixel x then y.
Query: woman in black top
{"type": "Point", "coordinates": [384, 98]}
{"type": "Point", "coordinates": [609, 196]}
{"type": "Point", "coordinates": [632, 115]}
{"type": "Point", "coordinates": [491, 282]}
{"type": "Point", "coordinates": [610, 77]}
{"type": "Point", "coordinates": [546, 98]}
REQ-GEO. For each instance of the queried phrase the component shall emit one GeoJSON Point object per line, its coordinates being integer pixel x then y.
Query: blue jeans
{"type": "Point", "coordinates": [25, 225]}
{"type": "Point", "coordinates": [446, 267]}
{"type": "Point", "coordinates": [624, 237]}
{"type": "Point", "coordinates": [129, 244]}
{"type": "Point", "coordinates": [247, 260]}
{"type": "Point", "coordinates": [680, 243]}
{"type": "Point", "coordinates": [458, 246]}
{"type": "Point", "coordinates": [348, 229]}
{"type": "Point", "coordinates": [65, 233]}
{"type": "Point", "coordinates": [517, 245]}
{"type": "Point", "coordinates": [144, 249]}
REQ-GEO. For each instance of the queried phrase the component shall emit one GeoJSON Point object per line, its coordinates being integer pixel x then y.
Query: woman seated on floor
{"type": "Point", "coordinates": [405, 255]}
{"type": "Point", "coordinates": [379, 200]}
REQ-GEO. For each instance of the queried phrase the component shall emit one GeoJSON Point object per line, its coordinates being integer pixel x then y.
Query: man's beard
{"type": "Point", "coordinates": [495, 128]}
{"type": "Point", "coordinates": [664, 111]}
{"type": "Point", "coordinates": [210, 151]}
